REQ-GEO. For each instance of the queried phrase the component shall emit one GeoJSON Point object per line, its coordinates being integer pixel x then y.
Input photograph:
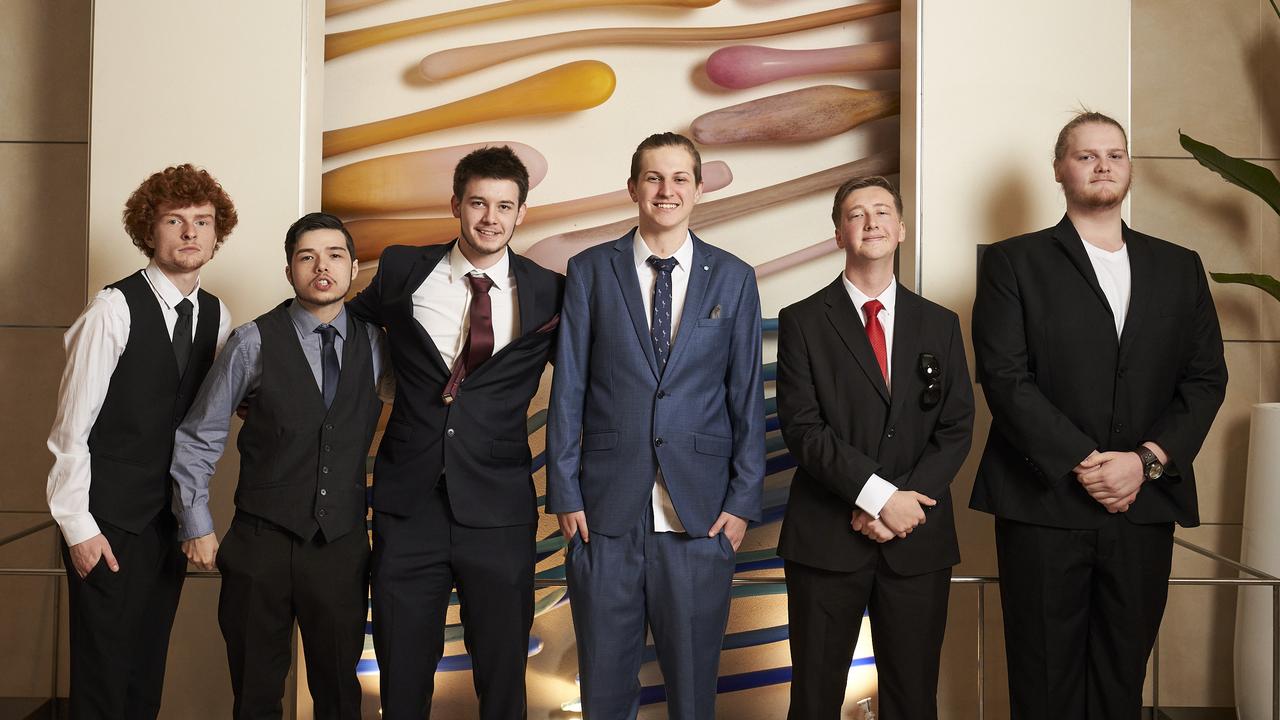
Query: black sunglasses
{"type": "Point", "coordinates": [931, 371]}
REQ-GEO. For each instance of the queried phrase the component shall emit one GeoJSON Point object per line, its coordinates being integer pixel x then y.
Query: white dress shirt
{"type": "Point", "coordinates": [876, 491]}
{"type": "Point", "coordinates": [1112, 269]}
{"type": "Point", "coordinates": [94, 344]}
{"type": "Point", "coordinates": [664, 512]}
{"type": "Point", "coordinates": [442, 304]}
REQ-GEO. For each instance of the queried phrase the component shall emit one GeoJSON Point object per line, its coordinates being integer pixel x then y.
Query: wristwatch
{"type": "Point", "coordinates": [1152, 468]}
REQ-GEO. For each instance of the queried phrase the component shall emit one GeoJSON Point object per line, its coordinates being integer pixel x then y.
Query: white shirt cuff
{"type": "Point", "coordinates": [78, 528]}
{"type": "Point", "coordinates": [875, 493]}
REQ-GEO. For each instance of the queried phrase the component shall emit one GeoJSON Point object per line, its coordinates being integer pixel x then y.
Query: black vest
{"type": "Point", "coordinates": [302, 467]}
{"type": "Point", "coordinates": [131, 443]}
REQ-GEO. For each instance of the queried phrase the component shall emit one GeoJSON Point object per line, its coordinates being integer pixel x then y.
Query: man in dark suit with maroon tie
{"type": "Point", "coordinates": [471, 327]}
{"type": "Point", "coordinates": [876, 407]}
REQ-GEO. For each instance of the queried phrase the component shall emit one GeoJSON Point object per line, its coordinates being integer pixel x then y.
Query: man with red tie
{"type": "Point", "coordinates": [876, 407]}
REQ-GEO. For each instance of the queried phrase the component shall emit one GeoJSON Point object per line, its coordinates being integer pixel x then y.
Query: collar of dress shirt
{"type": "Point", "coordinates": [684, 254]}
{"type": "Point", "coordinates": [169, 293]}
{"type": "Point", "coordinates": [498, 272]}
{"type": "Point", "coordinates": [887, 298]}
{"type": "Point", "coordinates": [306, 323]}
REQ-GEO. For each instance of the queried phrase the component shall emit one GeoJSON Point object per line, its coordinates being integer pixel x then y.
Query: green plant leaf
{"type": "Point", "coordinates": [1254, 178]}
{"type": "Point", "coordinates": [1266, 283]}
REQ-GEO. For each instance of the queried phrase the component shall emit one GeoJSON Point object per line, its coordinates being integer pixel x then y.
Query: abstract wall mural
{"type": "Point", "coordinates": [572, 86]}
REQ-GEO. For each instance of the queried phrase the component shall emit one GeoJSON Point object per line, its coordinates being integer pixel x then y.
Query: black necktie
{"type": "Point", "coordinates": [182, 335]}
{"type": "Point", "coordinates": [328, 363]}
{"type": "Point", "coordinates": [660, 328]}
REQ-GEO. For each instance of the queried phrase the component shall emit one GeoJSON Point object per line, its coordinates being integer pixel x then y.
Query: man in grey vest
{"type": "Point", "coordinates": [135, 357]}
{"type": "Point", "coordinates": [297, 547]}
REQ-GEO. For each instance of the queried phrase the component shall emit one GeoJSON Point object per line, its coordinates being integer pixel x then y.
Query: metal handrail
{"type": "Point", "coordinates": [1259, 578]}
{"type": "Point", "coordinates": [29, 531]}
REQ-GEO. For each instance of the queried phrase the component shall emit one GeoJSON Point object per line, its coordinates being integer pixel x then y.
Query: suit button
{"type": "Point", "coordinates": [449, 432]}
{"type": "Point", "coordinates": [327, 447]}
{"type": "Point", "coordinates": [328, 427]}
{"type": "Point", "coordinates": [323, 491]}
{"type": "Point", "coordinates": [323, 512]}
{"type": "Point", "coordinates": [890, 432]}
{"type": "Point", "coordinates": [1119, 428]}
{"type": "Point", "coordinates": [325, 469]}
{"type": "Point", "coordinates": [1120, 373]}
{"type": "Point", "coordinates": [657, 443]}
{"type": "Point", "coordinates": [662, 394]}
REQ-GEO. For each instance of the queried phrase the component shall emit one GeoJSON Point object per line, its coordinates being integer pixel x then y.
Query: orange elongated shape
{"type": "Point", "coordinates": [566, 88]}
{"type": "Point", "coordinates": [460, 61]}
{"type": "Point", "coordinates": [409, 181]}
{"type": "Point", "coordinates": [373, 235]}
{"type": "Point", "coordinates": [805, 114]}
{"type": "Point", "coordinates": [338, 44]}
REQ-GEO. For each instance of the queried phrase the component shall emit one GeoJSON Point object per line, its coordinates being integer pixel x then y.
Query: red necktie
{"type": "Point", "coordinates": [479, 344]}
{"type": "Point", "coordinates": [875, 333]}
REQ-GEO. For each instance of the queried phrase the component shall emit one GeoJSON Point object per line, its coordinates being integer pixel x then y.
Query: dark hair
{"type": "Point", "coordinates": [177, 186]}
{"type": "Point", "coordinates": [859, 183]}
{"type": "Point", "coordinates": [666, 139]}
{"type": "Point", "coordinates": [1084, 117]}
{"type": "Point", "coordinates": [315, 221]}
{"type": "Point", "coordinates": [491, 163]}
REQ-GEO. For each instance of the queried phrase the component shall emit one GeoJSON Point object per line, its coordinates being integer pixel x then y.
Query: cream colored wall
{"type": "Point", "coordinates": [1209, 69]}
{"type": "Point", "coordinates": [997, 79]}
{"type": "Point", "coordinates": [177, 81]}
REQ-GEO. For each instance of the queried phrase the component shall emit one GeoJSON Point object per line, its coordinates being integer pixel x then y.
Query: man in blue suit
{"type": "Point", "coordinates": [655, 441]}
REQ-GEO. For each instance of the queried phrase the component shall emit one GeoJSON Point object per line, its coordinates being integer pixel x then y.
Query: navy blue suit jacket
{"type": "Point", "coordinates": [615, 419]}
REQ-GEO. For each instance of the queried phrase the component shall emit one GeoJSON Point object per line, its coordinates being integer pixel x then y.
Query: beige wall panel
{"type": "Point", "coordinates": [1262, 65]}
{"type": "Point", "coordinates": [1185, 203]}
{"type": "Point", "coordinates": [26, 638]}
{"type": "Point", "coordinates": [1197, 638]}
{"type": "Point", "coordinates": [42, 259]}
{"type": "Point", "coordinates": [1270, 380]}
{"type": "Point", "coordinates": [33, 358]}
{"type": "Point", "coordinates": [1269, 246]}
{"type": "Point", "coordinates": [44, 70]}
{"type": "Point", "coordinates": [1221, 464]}
{"type": "Point", "coordinates": [1192, 69]}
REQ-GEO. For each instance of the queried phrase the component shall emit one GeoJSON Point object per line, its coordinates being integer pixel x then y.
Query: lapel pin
{"type": "Point", "coordinates": [704, 267]}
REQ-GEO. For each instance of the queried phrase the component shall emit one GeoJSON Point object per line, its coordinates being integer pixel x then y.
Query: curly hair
{"type": "Point", "coordinates": [178, 186]}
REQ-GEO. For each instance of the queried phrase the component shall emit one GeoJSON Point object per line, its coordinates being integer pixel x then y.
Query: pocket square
{"type": "Point", "coordinates": [549, 325]}
{"type": "Point", "coordinates": [715, 313]}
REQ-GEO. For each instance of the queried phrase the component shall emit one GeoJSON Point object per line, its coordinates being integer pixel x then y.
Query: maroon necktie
{"type": "Point", "coordinates": [875, 333]}
{"type": "Point", "coordinates": [479, 344]}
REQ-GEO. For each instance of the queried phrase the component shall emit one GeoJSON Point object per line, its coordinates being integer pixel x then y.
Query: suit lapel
{"type": "Point", "coordinates": [526, 295]}
{"type": "Point", "coordinates": [906, 348]}
{"type": "Point", "coordinates": [431, 256]}
{"type": "Point", "coordinates": [699, 279]}
{"type": "Point", "coordinates": [625, 270]}
{"type": "Point", "coordinates": [1141, 277]}
{"type": "Point", "coordinates": [1069, 240]}
{"type": "Point", "coordinates": [848, 326]}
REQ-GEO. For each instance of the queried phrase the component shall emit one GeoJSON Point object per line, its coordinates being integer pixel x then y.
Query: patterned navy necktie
{"type": "Point", "coordinates": [328, 363]}
{"type": "Point", "coordinates": [660, 327]}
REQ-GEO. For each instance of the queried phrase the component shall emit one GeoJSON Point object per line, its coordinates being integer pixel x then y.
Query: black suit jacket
{"type": "Point", "coordinates": [842, 424]}
{"type": "Point", "coordinates": [1060, 385]}
{"type": "Point", "coordinates": [481, 439]}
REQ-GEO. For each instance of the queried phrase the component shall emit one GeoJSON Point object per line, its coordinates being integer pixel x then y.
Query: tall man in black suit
{"type": "Point", "coordinates": [135, 358]}
{"type": "Point", "coordinates": [471, 326]}
{"type": "Point", "coordinates": [297, 548]}
{"type": "Point", "coordinates": [1099, 352]}
{"type": "Point", "coordinates": [876, 407]}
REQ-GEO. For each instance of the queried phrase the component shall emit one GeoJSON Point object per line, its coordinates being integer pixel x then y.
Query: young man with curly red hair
{"type": "Point", "coordinates": [135, 358]}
